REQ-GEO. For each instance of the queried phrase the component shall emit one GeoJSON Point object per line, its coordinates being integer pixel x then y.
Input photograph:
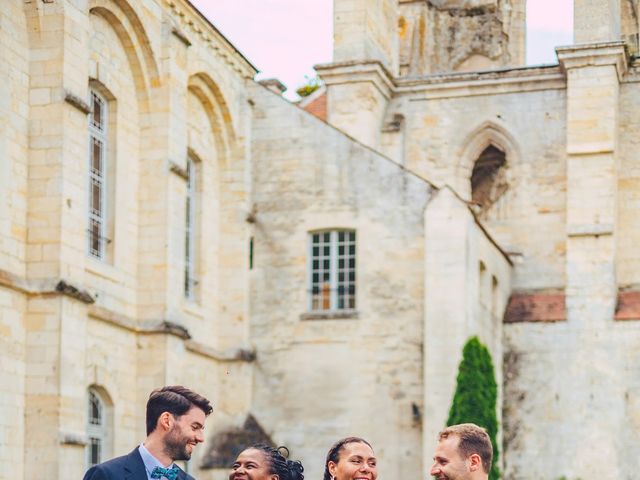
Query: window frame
{"type": "Point", "coordinates": [97, 432]}
{"type": "Point", "coordinates": [99, 133]}
{"type": "Point", "coordinates": [192, 229]}
{"type": "Point", "coordinates": [335, 283]}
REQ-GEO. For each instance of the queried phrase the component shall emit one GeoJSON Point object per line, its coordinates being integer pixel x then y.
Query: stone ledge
{"type": "Point", "coordinates": [589, 230]}
{"type": "Point", "coordinates": [231, 355]}
{"type": "Point", "coordinates": [52, 286]}
{"type": "Point", "coordinates": [72, 438]}
{"type": "Point", "coordinates": [362, 71]}
{"type": "Point", "coordinates": [595, 55]}
{"type": "Point", "coordinates": [77, 102]}
{"type": "Point", "coordinates": [178, 170]}
{"type": "Point", "coordinates": [339, 315]}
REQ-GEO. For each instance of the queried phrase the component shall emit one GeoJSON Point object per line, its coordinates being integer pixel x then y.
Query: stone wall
{"type": "Point", "coordinates": [319, 379]}
{"type": "Point", "coordinates": [14, 110]}
{"type": "Point", "coordinates": [467, 286]}
{"type": "Point", "coordinates": [121, 324]}
{"type": "Point", "coordinates": [450, 120]}
{"type": "Point", "coordinates": [448, 36]}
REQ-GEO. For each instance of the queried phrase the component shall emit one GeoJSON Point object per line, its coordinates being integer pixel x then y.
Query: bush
{"type": "Point", "coordinates": [477, 394]}
{"type": "Point", "coordinates": [311, 86]}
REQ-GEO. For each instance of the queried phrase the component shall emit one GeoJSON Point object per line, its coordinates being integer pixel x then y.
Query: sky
{"type": "Point", "coordinates": [284, 39]}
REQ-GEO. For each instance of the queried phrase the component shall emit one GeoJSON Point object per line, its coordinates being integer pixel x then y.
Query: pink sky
{"type": "Point", "coordinates": [285, 38]}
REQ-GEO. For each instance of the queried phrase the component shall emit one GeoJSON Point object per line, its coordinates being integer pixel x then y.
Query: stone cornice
{"type": "Point", "coordinates": [595, 55]}
{"type": "Point", "coordinates": [357, 72]}
{"type": "Point", "coordinates": [194, 21]}
{"type": "Point", "coordinates": [548, 77]}
{"type": "Point", "coordinates": [445, 85]}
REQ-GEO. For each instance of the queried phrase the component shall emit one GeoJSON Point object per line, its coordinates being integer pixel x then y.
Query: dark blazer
{"type": "Point", "coordinates": [127, 467]}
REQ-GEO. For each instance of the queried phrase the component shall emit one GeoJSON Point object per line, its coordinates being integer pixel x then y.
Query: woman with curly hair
{"type": "Point", "coordinates": [262, 462]}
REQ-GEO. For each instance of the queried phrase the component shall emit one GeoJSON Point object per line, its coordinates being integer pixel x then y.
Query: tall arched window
{"type": "Point", "coordinates": [98, 428]}
{"type": "Point", "coordinates": [97, 215]}
{"type": "Point", "coordinates": [191, 250]}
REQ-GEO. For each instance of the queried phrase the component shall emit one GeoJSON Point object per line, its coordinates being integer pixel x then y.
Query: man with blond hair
{"type": "Point", "coordinates": [464, 452]}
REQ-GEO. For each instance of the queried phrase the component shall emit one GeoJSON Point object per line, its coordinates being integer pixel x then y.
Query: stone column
{"type": "Point", "coordinates": [55, 392]}
{"type": "Point", "coordinates": [593, 401]}
{"type": "Point", "coordinates": [366, 30]}
{"type": "Point", "coordinates": [596, 20]}
{"type": "Point", "coordinates": [359, 83]}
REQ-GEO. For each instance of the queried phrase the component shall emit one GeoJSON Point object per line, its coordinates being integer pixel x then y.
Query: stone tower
{"type": "Point", "coordinates": [377, 42]}
{"type": "Point", "coordinates": [360, 80]}
{"type": "Point", "coordinates": [438, 36]}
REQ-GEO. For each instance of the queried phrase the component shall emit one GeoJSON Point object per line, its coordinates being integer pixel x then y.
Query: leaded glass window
{"type": "Point", "coordinates": [332, 272]}
{"type": "Point", "coordinates": [190, 237]}
{"type": "Point", "coordinates": [97, 214]}
{"type": "Point", "coordinates": [96, 429]}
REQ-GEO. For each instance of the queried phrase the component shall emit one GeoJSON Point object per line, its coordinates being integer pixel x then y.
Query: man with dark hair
{"type": "Point", "coordinates": [175, 424]}
{"type": "Point", "coordinates": [464, 452]}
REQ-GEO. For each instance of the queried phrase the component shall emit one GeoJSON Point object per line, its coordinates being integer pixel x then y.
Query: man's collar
{"type": "Point", "coordinates": [150, 462]}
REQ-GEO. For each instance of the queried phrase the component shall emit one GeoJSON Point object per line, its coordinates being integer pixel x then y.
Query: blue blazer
{"type": "Point", "coordinates": [127, 467]}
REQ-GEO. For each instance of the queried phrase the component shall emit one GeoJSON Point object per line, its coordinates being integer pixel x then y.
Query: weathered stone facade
{"type": "Point", "coordinates": [425, 101]}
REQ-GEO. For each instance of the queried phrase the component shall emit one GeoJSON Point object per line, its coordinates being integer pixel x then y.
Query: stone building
{"type": "Point", "coordinates": [165, 219]}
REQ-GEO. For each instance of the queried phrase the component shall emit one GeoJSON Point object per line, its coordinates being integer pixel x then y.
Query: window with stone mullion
{"type": "Point", "coordinates": [97, 176]}
{"type": "Point", "coordinates": [332, 271]}
{"type": "Point", "coordinates": [190, 260]}
{"type": "Point", "coordinates": [95, 429]}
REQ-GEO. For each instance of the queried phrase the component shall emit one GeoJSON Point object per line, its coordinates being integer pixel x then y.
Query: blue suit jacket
{"type": "Point", "coordinates": [127, 467]}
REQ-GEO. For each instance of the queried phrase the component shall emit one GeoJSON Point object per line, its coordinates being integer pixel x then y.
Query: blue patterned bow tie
{"type": "Point", "coordinates": [168, 473]}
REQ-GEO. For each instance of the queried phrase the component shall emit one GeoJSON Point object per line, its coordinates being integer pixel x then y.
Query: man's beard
{"type": "Point", "coordinates": [175, 445]}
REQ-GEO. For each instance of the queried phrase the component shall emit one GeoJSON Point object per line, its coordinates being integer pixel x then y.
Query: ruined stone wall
{"type": "Point", "coordinates": [448, 123]}
{"type": "Point", "coordinates": [318, 379]}
{"type": "Point", "coordinates": [447, 36]}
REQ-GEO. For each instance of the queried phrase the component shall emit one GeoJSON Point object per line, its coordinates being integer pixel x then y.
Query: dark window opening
{"type": "Point", "coordinates": [488, 181]}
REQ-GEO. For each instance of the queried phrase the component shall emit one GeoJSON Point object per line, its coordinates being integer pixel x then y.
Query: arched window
{"type": "Point", "coordinates": [488, 182]}
{"type": "Point", "coordinates": [191, 250]}
{"type": "Point", "coordinates": [98, 428]}
{"type": "Point", "coordinates": [98, 176]}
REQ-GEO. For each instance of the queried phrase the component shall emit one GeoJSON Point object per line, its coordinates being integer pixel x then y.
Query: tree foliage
{"type": "Point", "coordinates": [476, 395]}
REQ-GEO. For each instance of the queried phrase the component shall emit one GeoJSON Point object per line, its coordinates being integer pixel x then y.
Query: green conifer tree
{"type": "Point", "coordinates": [476, 395]}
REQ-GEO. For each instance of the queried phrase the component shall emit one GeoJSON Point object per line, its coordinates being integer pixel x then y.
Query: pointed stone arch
{"type": "Point", "coordinates": [488, 134]}
{"type": "Point", "coordinates": [131, 33]}
{"type": "Point", "coordinates": [216, 107]}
